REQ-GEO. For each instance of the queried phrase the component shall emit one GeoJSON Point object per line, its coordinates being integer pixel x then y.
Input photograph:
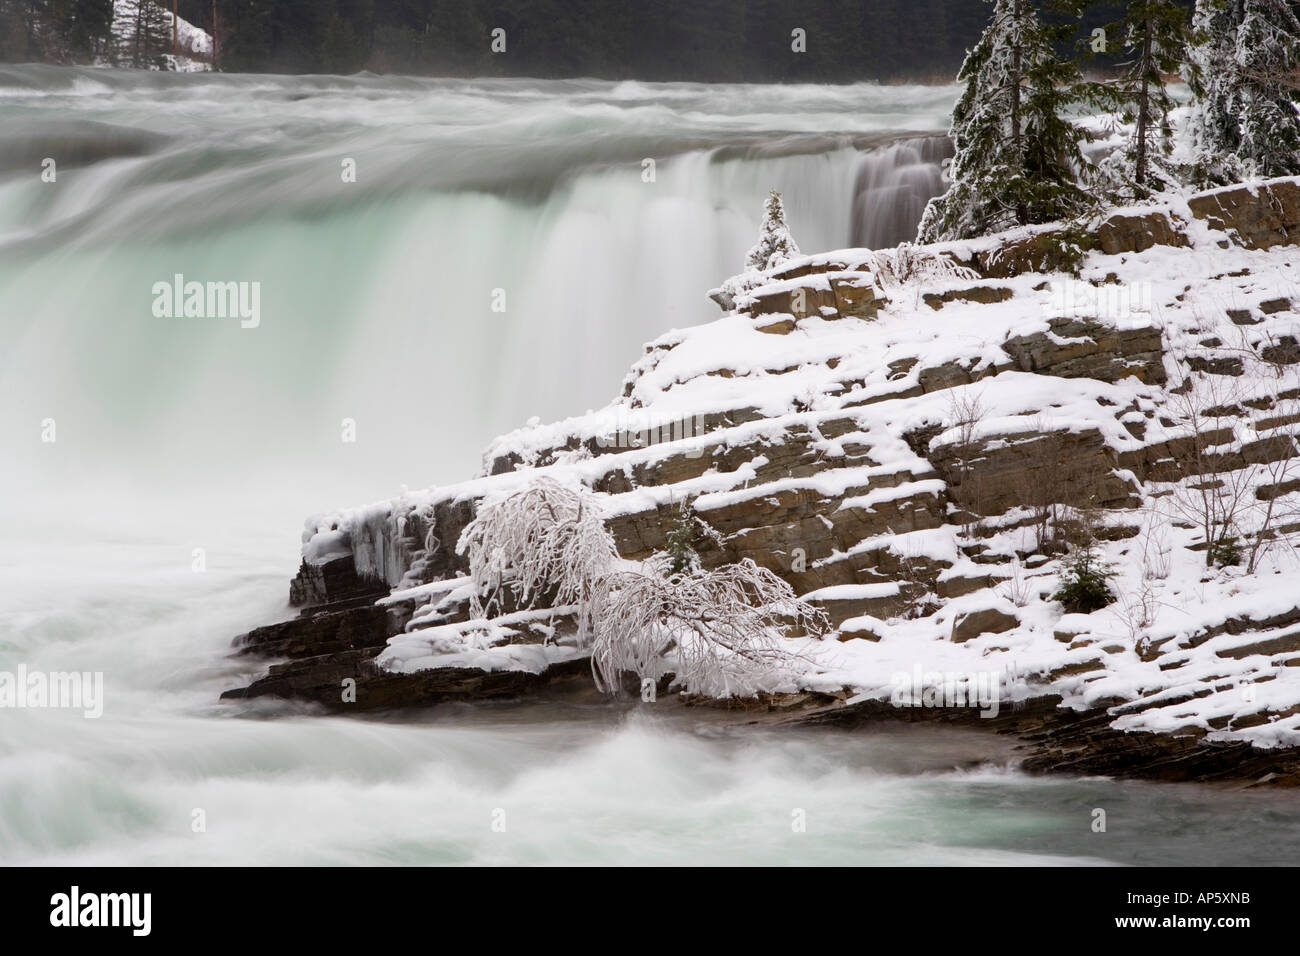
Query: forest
{"type": "Point", "coordinates": [690, 40]}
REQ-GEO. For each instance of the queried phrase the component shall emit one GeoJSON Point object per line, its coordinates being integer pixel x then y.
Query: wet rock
{"type": "Point", "coordinates": [325, 681]}
{"type": "Point", "coordinates": [334, 580]}
{"type": "Point", "coordinates": [323, 631]}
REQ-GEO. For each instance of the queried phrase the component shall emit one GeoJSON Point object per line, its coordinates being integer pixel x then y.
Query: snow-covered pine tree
{"type": "Point", "coordinates": [775, 244]}
{"type": "Point", "coordinates": [1155, 35]}
{"type": "Point", "coordinates": [1212, 74]}
{"type": "Point", "coordinates": [147, 38]}
{"type": "Point", "coordinates": [1017, 156]}
{"type": "Point", "coordinates": [1267, 56]}
{"type": "Point", "coordinates": [1243, 74]}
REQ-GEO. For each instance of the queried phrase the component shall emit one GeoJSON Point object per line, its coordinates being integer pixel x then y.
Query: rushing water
{"type": "Point", "coordinates": [180, 434]}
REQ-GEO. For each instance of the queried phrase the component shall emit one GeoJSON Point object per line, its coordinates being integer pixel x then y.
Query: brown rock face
{"type": "Point", "coordinates": [855, 297]}
{"type": "Point", "coordinates": [988, 621]}
{"type": "Point", "coordinates": [1001, 472]}
{"type": "Point", "coordinates": [1094, 349]}
{"type": "Point", "coordinates": [1138, 233]}
{"type": "Point", "coordinates": [826, 295]}
{"type": "Point", "coordinates": [984, 294]}
{"type": "Point", "coordinates": [1260, 217]}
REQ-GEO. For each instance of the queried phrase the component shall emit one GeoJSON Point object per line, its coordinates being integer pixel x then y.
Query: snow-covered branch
{"type": "Point", "coordinates": [547, 542]}
{"type": "Point", "coordinates": [719, 631]}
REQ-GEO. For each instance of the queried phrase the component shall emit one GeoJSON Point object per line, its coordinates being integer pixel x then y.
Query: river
{"type": "Point", "coordinates": [158, 468]}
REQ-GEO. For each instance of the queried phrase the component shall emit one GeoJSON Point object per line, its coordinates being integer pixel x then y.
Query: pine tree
{"type": "Point", "coordinates": [1216, 132]}
{"type": "Point", "coordinates": [148, 38]}
{"type": "Point", "coordinates": [82, 26]}
{"type": "Point", "coordinates": [775, 244]}
{"type": "Point", "coordinates": [1017, 157]}
{"type": "Point", "coordinates": [1155, 35]}
{"type": "Point", "coordinates": [1243, 74]}
{"type": "Point", "coordinates": [1267, 56]}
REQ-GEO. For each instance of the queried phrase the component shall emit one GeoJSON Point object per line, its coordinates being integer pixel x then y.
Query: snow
{"type": "Point", "coordinates": [485, 645]}
{"type": "Point", "coordinates": [855, 386]}
{"type": "Point", "coordinates": [195, 42]}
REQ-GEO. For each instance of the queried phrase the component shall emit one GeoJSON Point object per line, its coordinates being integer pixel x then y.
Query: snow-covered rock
{"type": "Point", "coordinates": [913, 469]}
{"type": "Point", "coordinates": [195, 43]}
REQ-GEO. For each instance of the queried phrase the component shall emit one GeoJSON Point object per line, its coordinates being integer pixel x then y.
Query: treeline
{"type": "Point", "coordinates": [68, 31]}
{"type": "Point", "coordinates": [1019, 150]}
{"type": "Point", "coordinates": [703, 40]}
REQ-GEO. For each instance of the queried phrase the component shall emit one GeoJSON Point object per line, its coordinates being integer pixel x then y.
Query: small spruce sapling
{"type": "Point", "coordinates": [775, 244]}
{"type": "Point", "coordinates": [680, 556]}
{"type": "Point", "coordinates": [1085, 581]}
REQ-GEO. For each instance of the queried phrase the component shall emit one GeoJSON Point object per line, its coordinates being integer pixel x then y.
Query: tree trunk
{"type": "Point", "coordinates": [1017, 78]}
{"type": "Point", "coordinates": [137, 60]}
{"type": "Point", "coordinates": [176, 35]}
{"type": "Point", "coordinates": [1144, 105]}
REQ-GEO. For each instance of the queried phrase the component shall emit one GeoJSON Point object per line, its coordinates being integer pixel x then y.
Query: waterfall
{"type": "Point", "coordinates": [892, 189]}
{"type": "Point", "coordinates": [505, 249]}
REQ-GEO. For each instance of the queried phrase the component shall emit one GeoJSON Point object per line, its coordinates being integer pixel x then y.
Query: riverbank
{"type": "Point", "coordinates": [916, 446]}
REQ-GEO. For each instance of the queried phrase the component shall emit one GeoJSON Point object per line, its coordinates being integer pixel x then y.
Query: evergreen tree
{"type": "Point", "coordinates": [775, 244]}
{"type": "Point", "coordinates": [148, 37]}
{"type": "Point", "coordinates": [1017, 157]}
{"type": "Point", "coordinates": [1243, 66]}
{"type": "Point", "coordinates": [681, 557]}
{"type": "Point", "coordinates": [1154, 35]}
{"type": "Point", "coordinates": [1216, 134]}
{"type": "Point", "coordinates": [83, 25]}
{"type": "Point", "coordinates": [1267, 57]}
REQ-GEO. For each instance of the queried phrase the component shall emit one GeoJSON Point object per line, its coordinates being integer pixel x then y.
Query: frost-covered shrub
{"type": "Point", "coordinates": [1085, 582]}
{"type": "Point", "coordinates": [545, 542]}
{"type": "Point", "coordinates": [718, 631]}
{"type": "Point", "coordinates": [906, 264]}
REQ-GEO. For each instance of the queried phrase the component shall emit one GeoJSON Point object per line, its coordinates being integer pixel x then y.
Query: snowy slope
{"type": "Point", "coordinates": [1186, 649]}
{"type": "Point", "coordinates": [195, 44]}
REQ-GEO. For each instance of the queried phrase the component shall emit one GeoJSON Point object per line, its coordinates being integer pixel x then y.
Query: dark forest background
{"type": "Point", "coordinates": [705, 40]}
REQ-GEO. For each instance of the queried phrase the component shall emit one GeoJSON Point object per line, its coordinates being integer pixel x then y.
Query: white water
{"type": "Point", "coordinates": [180, 434]}
{"type": "Point", "coordinates": [377, 295]}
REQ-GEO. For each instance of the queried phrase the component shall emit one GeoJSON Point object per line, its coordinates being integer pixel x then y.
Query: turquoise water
{"type": "Point", "coordinates": [176, 435]}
